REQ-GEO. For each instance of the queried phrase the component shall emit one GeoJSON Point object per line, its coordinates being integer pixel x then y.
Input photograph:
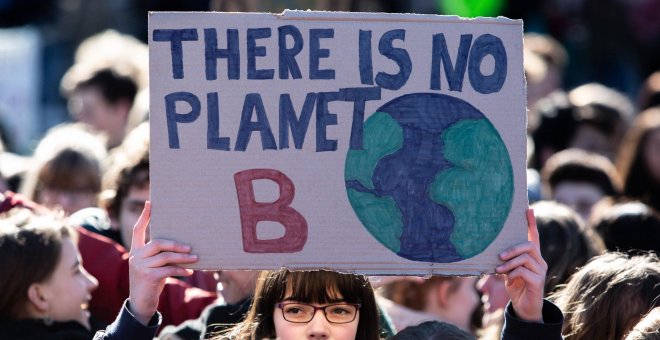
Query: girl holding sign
{"type": "Point", "coordinates": [319, 304]}
{"type": "Point", "coordinates": [346, 301]}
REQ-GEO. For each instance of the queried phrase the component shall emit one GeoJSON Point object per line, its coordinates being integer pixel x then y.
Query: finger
{"type": "Point", "coordinates": [160, 273]}
{"type": "Point", "coordinates": [168, 259]}
{"type": "Point", "coordinates": [140, 228]}
{"type": "Point", "coordinates": [524, 260]}
{"type": "Point", "coordinates": [159, 245]}
{"type": "Point", "coordinates": [522, 248]}
{"type": "Point", "coordinates": [170, 271]}
{"type": "Point", "coordinates": [532, 230]}
{"type": "Point", "coordinates": [520, 274]}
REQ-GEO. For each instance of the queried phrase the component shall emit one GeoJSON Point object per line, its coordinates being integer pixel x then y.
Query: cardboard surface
{"type": "Point", "coordinates": [372, 143]}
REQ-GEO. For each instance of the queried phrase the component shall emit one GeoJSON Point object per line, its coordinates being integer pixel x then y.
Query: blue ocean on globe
{"type": "Point", "coordinates": [433, 181]}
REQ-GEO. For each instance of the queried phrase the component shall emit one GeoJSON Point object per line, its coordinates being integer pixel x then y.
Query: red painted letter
{"type": "Point", "coordinates": [295, 226]}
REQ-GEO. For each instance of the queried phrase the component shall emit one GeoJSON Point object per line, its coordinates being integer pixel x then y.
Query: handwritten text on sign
{"type": "Point", "coordinates": [253, 117]}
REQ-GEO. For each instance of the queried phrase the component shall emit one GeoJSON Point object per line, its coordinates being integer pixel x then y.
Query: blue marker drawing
{"type": "Point", "coordinates": [433, 181]}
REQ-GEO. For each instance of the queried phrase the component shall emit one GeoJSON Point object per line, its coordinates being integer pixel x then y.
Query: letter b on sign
{"type": "Point", "coordinates": [295, 226]}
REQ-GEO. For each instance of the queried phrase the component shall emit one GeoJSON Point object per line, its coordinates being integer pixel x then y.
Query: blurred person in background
{"type": "Point", "coordinates": [627, 226]}
{"type": "Point", "coordinates": [67, 168]}
{"type": "Point", "coordinates": [591, 117]}
{"type": "Point", "coordinates": [439, 298]}
{"type": "Point", "coordinates": [545, 60]}
{"type": "Point", "coordinates": [433, 330]}
{"type": "Point", "coordinates": [103, 84]}
{"type": "Point", "coordinates": [609, 295]}
{"type": "Point", "coordinates": [567, 243]}
{"type": "Point", "coordinates": [125, 185]}
{"type": "Point", "coordinates": [103, 101]}
{"type": "Point", "coordinates": [555, 127]}
{"type": "Point", "coordinates": [604, 115]}
{"type": "Point", "coordinates": [237, 291]}
{"type": "Point", "coordinates": [579, 179]}
{"type": "Point", "coordinates": [639, 159]}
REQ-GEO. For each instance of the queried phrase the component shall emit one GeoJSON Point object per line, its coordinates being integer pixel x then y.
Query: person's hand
{"type": "Point", "coordinates": [150, 264]}
{"type": "Point", "coordinates": [525, 274]}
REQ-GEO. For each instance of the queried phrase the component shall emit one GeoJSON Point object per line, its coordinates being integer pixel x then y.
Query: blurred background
{"type": "Point", "coordinates": [73, 131]}
{"type": "Point", "coordinates": [612, 42]}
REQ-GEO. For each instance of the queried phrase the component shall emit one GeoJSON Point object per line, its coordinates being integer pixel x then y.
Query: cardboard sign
{"type": "Point", "coordinates": [372, 143]}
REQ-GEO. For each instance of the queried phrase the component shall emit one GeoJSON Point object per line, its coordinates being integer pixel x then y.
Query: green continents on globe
{"type": "Point", "coordinates": [378, 214]}
{"type": "Point", "coordinates": [479, 156]}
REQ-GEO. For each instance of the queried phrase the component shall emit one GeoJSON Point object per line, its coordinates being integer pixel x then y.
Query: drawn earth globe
{"type": "Point", "coordinates": [433, 181]}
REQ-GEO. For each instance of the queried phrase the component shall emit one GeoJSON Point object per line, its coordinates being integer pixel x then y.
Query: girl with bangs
{"type": "Point", "coordinates": [346, 300]}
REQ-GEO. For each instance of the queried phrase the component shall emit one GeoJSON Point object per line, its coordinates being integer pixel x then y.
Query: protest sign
{"type": "Point", "coordinates": [372, 143]}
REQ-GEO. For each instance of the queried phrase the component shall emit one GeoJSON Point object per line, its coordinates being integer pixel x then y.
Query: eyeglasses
{"type": "Point", "coordinates": [303, 313]}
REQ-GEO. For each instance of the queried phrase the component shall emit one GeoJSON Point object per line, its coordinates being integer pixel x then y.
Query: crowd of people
{"type": "Point", "coordinates": [77, 262]}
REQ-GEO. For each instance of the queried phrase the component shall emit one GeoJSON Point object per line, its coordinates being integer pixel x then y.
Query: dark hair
{"type": "Point", "coordinates": [607, 297]}
{"type": "Point", "coordinates": [566, 245]}
{"type": "Point", "coordinates": [318, 286]}
{"type": "Point", "coordinates": [70, 170]}
{"type": "Point", "coordinates": [28, 255]}
{"type": "Point", "coordinates": [637, 181]}
{"type": "Point", "coordinates": [113, 86]}
{"type": "Point", "coordinates": [627, 226]}
{"type": "Point", "coordinates": [134, 175]}
{"type": "Point", "coordinates": [620, 108]}
{"type": "Point", "coordinates": [557, 125]}
{"type": "Point", "coordinates": [561, 115]}
{"type": "Point", "coordinates": [577, 165]}
{"type": "Point", "coordinates": [603, 118]}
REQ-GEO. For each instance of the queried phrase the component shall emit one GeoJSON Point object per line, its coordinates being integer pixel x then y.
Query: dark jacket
{"type": "Point", "coordinates": [514, 328]}
{"type": "Point", "coordinates": [550, 329]}
{"type": "Point", "coordinates": [214, 318]}
{"type": "Point", "coordinates": [126, 326]}
{"type": "Point", "coordinates": [30, 329]}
